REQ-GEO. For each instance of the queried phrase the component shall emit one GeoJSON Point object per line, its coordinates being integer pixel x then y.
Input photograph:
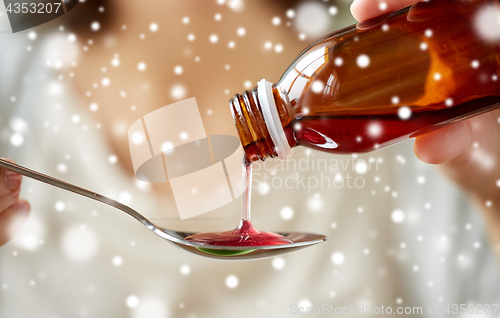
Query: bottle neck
{"type": "Point", "coordinates": [261, 116]}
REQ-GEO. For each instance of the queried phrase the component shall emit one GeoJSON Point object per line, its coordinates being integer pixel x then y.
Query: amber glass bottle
{"type": "Point", "coordinates": [376, 83]}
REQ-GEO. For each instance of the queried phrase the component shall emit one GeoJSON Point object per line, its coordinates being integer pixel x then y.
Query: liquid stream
{"type": "Point", "coordinates": [245, 234]}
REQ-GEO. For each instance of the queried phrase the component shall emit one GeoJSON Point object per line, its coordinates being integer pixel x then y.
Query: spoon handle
{"type": "Point", "coordinates": [73, 188]}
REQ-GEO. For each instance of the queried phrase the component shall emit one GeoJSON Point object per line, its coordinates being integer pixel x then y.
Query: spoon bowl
{"type": "Point", "coordinates": [219, 252]}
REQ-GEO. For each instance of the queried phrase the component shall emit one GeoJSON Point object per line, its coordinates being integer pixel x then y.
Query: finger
{"type": "Point", "coordinates": [443, 145]}
{"type": "Point", "coordinates": [10, 182]}
{"type": "Point", "coordinates": [12, 220]}
{"type": "Point", "coordinates": [9, 200]}
{"type": "Point", "coordinates": [367, 9]}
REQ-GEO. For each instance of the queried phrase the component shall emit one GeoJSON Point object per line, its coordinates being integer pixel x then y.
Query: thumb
{"type": "Point", "coordinates": [12, 220]}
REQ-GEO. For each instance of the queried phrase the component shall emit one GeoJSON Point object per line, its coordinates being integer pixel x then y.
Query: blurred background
{"type": "Point", "coordinates": [69, 90]}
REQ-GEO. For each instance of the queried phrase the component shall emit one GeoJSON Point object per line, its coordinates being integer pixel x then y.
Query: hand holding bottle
{"type": "Point", "coordinates": [468, 152]}
{"type": "Point", "coordinates": [13, 210]}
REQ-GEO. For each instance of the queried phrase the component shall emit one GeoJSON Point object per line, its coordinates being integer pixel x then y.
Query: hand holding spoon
{"type": "Point", "coordinates": [220, 252]}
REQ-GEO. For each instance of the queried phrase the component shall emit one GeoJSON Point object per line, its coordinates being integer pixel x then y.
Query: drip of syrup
{"type": "Point", "coordinates": [245, 234]}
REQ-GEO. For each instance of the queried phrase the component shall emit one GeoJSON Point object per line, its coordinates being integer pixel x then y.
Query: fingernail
{"type": "Point", "coordinates": [12, 180]}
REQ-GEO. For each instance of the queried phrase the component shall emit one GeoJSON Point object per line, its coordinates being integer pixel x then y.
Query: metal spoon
{"type": "Point", "coordinates": [300, 240]}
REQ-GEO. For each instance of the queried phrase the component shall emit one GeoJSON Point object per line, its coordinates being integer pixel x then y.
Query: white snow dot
{"type": "Point", "coordinates": [79, 243]}
{"type": "Point", "coordinates": [191, 37]}
{"type": "Point", "coordinates": [112, 159]}
{"type": "Point", "coordinates": [264, 188]}
{"type": "Point", "coordinates": [498, 183]}
{"type": "Point", "coordinates": [276, 21]}
{"type": "Point", "coordinates": [241, 31]}
{"type": "Point", "coordinates": [338, 61]}
{"type": "Point", "coordinates": [178, 92]}
{"type": "Point", "coordinates": [268, 45]}
{"type": "Point", "coordinates": [232, 282]}
{"type": "Point", "coordinates": [153, 27]}
{"type": "Point", "coordinates": [397, 216]}
{"type": "Point", "coordinates": [218, 17]}
{"type": "Point", "coordinates": [395, 100]}
{"type": "Point", "coordinates": [151, 307]}
{"type": "Point", "coordinates": [167, 146]}
{"type": "Point", "coordinates": [185, 269]}
{"type": "Point", "coordinates": [437, 76]}
{"type": "Point", "coordinates": [75, 119]}
{"type": "Point", "coordinates": [487, 22]}
{"type": "Point", "coordinates": [60, 206]}
{"type": "Point", "coordinates": [178, 70]}
{"type": "Point", "coordinates": [247, 84]}
{"type": "Point", "coordinates": [374, 129]}
{"type": "Point", "coordinates": [236, 5]}
{"type": "Point", "coordinates": [278, 48]}
{"type": "Point", "coordinates": [315, 203]}
{"type": "Point", "coordinates": [62, 168]}
{"type": "Point", "coordinates": [312, 18]}
{"type": "Point", "coordinates": [404, 112]}
{"type": "Point", "coordinates": [428, 33]}
{"type": "Point", "coordinates": [93, 107]}
{"type": "Point", "coordinates": [183, 135]}
{"type": "Point", "coordinates": [421, 179]}
{"type": "Point", "coordinates": [117, 261]}
{"type": "Point", "coordinates": [231, 44]}
{"type": "Point", "coordinates": [32, 35]}
{"type": "Point", "coordinates": [423, 46]}
{"type": "Point", "coordinates": [286, 213]}
{"type": "Point", "coordinates": [16, 139]}
{"type": "Point", "coordinates": [95, 26]}
{"type": "Point", "coordinates": [132, 301]}
{"type": "Point", "coordinates": [474, 64]}
{"type": "Point", "coordinates": [290, 13]}
{"type": "Point", "coordinates": [141, 66]}
{"type": "Point", "coordinates": [338, 258]}
{"type": "Point", "coordinates": [213, 38]}
{"type": "Point", "coordinates": [448, 102]}
{"type": "Point", "coordinates": [125, 197]}
{"type": "Point", "coordinates": [185, 20]}
{"type": "Point", "coordinates": [305, 303]}
{"type": "Point", "coordinates": [115, 62]}
{"type": "Point", "coordinates": [19, 125]}
{"type": "Point", "coordinates": [333, 10]}
{"type": "Point", "coordinates": [137, 138]}
{"type": "Point", "coordinates": [363, 60]}
{"type": "Point", "coordinates": [278, 263]}
{"type": "Point", "coordinates": [382, 6]}
{"type": "Point", "coordinates": [317, 86]}
{"type": "Point", "coordinates": [71, 37]}
{"type": "Point", "coordinates": [105, 81]}
{"type": "Point", "coordinates": [361, 166]}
